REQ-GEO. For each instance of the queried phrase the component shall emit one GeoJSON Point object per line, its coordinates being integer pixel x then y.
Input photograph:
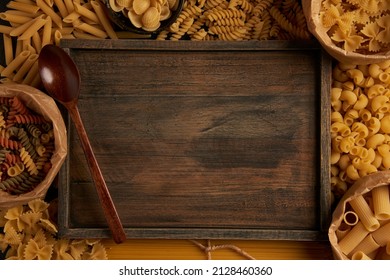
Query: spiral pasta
{"type": "Point", "coordinates": [239, 20]}
{"type": "Point", "coordinates": [26, 147]}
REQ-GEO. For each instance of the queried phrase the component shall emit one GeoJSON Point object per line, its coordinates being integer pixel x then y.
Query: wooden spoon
{"type": "Point", "coordinates": [61, 78]}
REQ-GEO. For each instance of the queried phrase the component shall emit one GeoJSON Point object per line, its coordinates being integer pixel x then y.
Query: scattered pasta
{"type": "Point", "coordinates": [38, 23]}
{"type": "Point", "coordinates": [238, 20]}
{"type": "Point", "coordinates": [30, 234]}
{"type": "Point", "coordinates": [24, 157]}
{"type": "Point", "coordinates": [357, 26]}
{"type": "Point", "coordinates": [360, 123]}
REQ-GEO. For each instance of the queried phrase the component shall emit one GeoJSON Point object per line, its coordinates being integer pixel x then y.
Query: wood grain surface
{"type": "Point", "coordinates": [219, 140]}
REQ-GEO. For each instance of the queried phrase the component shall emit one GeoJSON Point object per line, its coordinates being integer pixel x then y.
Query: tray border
{"type": "Point", "coordinates": [65, 228]}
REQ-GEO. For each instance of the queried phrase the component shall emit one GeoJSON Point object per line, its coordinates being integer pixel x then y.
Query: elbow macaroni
{"type": "Point", "coordinates": [360, 120]}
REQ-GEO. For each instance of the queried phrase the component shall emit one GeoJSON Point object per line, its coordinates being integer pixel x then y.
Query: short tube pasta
{"type": "Point", "coordinates": [19, 60]}
{"type": "Point", "coordinates": [365, 214]}
{"type": "Point", "coordinates": [382, 235]}
{"type": "Point", "coordinates": [359, 255]}
{"type": "Point", "coordinates": [381, 202]}
{"type": "Point", "coordinates": [353, 238]}
{"type": "Point", "coordinates": [351, 218]}
{"type": "Point", "coordinates": [367, 246]}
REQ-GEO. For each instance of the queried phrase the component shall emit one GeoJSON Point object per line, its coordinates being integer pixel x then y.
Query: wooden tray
{"type": "Point", "coordinates": [202, 140]}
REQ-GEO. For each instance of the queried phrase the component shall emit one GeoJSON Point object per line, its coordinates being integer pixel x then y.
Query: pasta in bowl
{"type": "Point", "coordinates": [360, 228]}
{"type": "Point", "coordinates": [33, 144]}
{"type": "Point", "coordinates": [143, 16]}
{"type": "Point", "coordinates": [353, 32]}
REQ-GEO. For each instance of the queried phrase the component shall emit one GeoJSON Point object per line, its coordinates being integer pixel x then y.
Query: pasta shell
{"type": "Point", "coordinates": [124, 3]}
{"type": "Point", "coordinates": [151, 18]}
{"type": "Point", "coordinates": [173, 4]}
{"type": "Point", "coordinates": [140, 6]}
{"type": "Point", "coordinates": [156, 4]}
{"type": "Point", "coordinates": [114, 6]}
{"type": "Point", "coordinates": [135, 19]}
{"type": "Point", "coordinates": [165, 13]}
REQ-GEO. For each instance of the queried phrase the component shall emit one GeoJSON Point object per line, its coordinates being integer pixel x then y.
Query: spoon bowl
{"type": "Point", "coordinates": [61, 79]}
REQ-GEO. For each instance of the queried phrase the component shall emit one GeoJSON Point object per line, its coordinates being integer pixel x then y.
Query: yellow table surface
{"type": "Point", "coordinates": [138, 249]}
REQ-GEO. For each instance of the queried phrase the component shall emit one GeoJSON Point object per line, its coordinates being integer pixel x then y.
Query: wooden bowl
{"type": "Point", "coordinates": [124, 23]}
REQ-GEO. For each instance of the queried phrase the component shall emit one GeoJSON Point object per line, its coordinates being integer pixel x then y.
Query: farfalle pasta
{"type": "Point", "coordinates": [357, 25]}
{"type": "Point", "coordinates": [30, 234]}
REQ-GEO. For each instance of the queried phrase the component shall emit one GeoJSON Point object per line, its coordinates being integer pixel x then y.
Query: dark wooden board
{"type": "Point", "coordinates": [202, 139]}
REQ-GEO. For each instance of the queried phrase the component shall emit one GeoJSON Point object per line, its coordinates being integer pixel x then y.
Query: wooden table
{"type": "Point", "coordinates": [141, 249]}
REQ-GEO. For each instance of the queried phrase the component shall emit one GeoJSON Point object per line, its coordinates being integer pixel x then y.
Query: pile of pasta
{"type": "Point", "coordinates": [236, 20]}
{"type": "Point", "coordinates": [36, 23]}
{"type": "Point", "coordinates": [145, 14]}
{"type": "Point", "coordinates": [30, 234]}
{"type": "Point", "coordinates": [360, 123]}
{"type": "Point", "coordinates": [364, 233]}
{"type": "Point", "coordinates": [26, 147]}
{"type": "Point", "coordinates": [359, 26]}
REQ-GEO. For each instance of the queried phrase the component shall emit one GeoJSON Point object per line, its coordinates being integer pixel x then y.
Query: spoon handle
{"type": "Point", "coordinates": [107, 204]}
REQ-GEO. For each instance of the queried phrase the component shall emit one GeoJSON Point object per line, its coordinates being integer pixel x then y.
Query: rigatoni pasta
{"type": "Point", "coordinates": [362, 241]}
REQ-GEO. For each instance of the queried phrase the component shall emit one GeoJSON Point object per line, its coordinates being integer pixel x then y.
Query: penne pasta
{"type": "Point", "coordinates": [61, 8]}
{"type": "Point", "coordinates": [98, 33]}
{"type": "Point", "coordinates": [8, 50]}
{"type": "Point", "coordinates": [37, 41]}
{"type": "Point", "coordinates": [72, 17]}
{"type": "Point", "coordinates": [50, 12]}
{"type": "Point", "coordinates": [46, 33]}
{"type": "Point", "coordinates": [69, 6]}
{"type": "Point", "coordinates": [105, 22]}
{"type": "Point", "coordinates": [86, 13]}
{"type": "Point", "coordinates": [381, 202]}
{"type": "Point", "coordinates": [83, 35]}
{"type": "Point", "coordinates": [24, 7]}
{"type": "Point", "coordinates": [18, 48]}
{"type": "Point", "coordinates": [14, 65]}
{"type": "Point", "coordinates": [14, 19]}
{"type": "Point", "coordinates": [57, 37]}
{"type": "Point", "coordinates": [33, 28]}
{"type": "Point", "coordinates": [31, 74]}
{"type": "Point", "coordinates": [5, 29]}
{"type": "Point", "coordinates": [17, 31]}
{"type": "Point", "coordinates": [50, 3]}
{"type": "Point", "coordinates": [25, 68]}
